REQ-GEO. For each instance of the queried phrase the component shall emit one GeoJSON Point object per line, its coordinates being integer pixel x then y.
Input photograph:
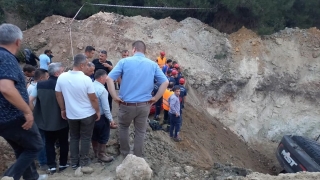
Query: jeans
{"type": "Point", "coordinates": [158, 107]}
{"type": "Point", "coordinates": [101, 131]}
{"type": "Point", "coordinates": [42, 156]}
{"type": "Point", "coordinates": [51, 138]}
{"type": "Point", "coordinates": [26, 145]}
{"type": "Point", "coordinates": [175, 125]}
{"type": "Point", "coordinates": [139, 115]}
{"type": "Point", "coordinates": [166, 118]}
{"type": "Point", "coordinates": [81, 129]}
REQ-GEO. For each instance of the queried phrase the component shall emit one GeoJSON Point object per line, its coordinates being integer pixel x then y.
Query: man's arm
{"type": "Point", "coordinates": [60, 100]}
{"type": "Point", "coordinates": [111, 89]}
{"type": "Point", "coordinates": [11, 94]}
{"type": "Point", "coordinates": [95, 103]}
{"type": "Point", "coordinates": [31, 100]}
{"type": "Point", "coordinates": [105, 105]}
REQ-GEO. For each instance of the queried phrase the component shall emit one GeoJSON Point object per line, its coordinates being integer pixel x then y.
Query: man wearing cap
{"type": "Point", "coordinates": [161, 60]}
{"type": "Point", "coordinates": [183, 94]}
{"type": "Point", "coordinates": [135, 97]}
{"type": "Point", "coordinates": [45, 59]}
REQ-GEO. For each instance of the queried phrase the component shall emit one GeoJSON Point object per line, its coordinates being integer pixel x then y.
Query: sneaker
{"type": "Point", "coordinates": [43, 177]}
{"type": "Point", "coordinates": [75, 166]}
{"type": "Point", "coordinates": [43, 167]}
{"type": "Point", "coordinates": [61, 168]}
{"type": "Point", "coordinates": [52, 170]}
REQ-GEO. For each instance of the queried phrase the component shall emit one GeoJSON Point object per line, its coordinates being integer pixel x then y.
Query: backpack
{"type": "Point", "coordinates": [155, 125]}
{"type": "Point", "coordinates": [27, 54]}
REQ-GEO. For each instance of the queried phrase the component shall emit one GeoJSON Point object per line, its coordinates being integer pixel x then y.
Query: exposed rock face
{"type": "Point", "coordinates": [134, 168]}
{"type": "Point", "coordinates": [259, 87]}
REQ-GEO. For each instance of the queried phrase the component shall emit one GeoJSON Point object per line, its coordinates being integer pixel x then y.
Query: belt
{"type": "Point", "coordinates": [134, 104]}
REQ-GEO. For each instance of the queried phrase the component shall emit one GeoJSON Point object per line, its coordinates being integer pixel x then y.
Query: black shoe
{"type": "Point", "coordinates": [61, 168]}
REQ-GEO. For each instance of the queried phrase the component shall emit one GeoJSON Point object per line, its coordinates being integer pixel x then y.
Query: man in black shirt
{"type": "Point", "coordinates": [103, 63]}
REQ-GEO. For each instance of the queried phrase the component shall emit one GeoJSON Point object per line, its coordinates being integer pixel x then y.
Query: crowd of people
{"type": "Point", "coordinates": [48, 107]}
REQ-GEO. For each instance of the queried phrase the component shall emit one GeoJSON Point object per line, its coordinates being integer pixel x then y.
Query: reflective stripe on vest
{"type": "Point", "coordinates": [162, 62]}
{"type": "Point", "coordinates": [165, 101]}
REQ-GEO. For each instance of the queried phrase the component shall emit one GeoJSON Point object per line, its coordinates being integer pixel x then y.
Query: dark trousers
{"type": "Point", "coordinates": [166, 118]}
{"type": "Point", "coordinates": [42, 156]}
{"type": "Point", "coordinates": [175, 125]}
{"type": "Point", "coordinates": [80, 129]}
{"type": "Point", "coordinates": [101, 131]}
{"type": "Point", "coordinates": [62, 136]}
{"type": "Point", "coordinates": [26, 145]}
{"type": "Point", "coordinates": [158, 107]}
{"type": "Point", "coordinates": [110, 101]}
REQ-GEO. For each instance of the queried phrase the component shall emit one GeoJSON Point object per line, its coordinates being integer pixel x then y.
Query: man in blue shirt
{"type": "Point", "coordinates": [45, 59]}
{"type": "Point", "coordinates": [138, 74]}
{"type": "Point", "coordinates": [16, 118]}
{"type": "Point", "coordinates": [166, 67]}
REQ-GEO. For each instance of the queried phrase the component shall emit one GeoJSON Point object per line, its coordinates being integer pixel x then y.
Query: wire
{"type": "Point", "coordinates": [124, 6]}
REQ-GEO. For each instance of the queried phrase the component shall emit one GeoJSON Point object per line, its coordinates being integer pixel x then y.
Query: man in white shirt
{"type": "Point", "coordinates": [45, 59]}
{"type": "Point", "coordinates": [79, 105]}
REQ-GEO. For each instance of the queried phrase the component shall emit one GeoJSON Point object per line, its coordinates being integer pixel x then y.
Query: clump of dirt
{"type": "Point", "coordinates": [7, 156]}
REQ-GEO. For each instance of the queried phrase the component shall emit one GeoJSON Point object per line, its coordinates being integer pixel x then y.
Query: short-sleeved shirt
{"type": "Point", "coordinates": [10, 69]}
{"type": "Point", "coordinates": [44, 60]}
{"type": "Point", "coordinates": [75, 87]}
{"type": "Point", "coordinates": [138, 74]}
{"type": "Point", "coordinates": [98, 65]}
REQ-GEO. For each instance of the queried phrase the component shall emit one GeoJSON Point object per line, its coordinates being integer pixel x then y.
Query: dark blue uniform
{"type": "Point", "coordinates": [158, 104]}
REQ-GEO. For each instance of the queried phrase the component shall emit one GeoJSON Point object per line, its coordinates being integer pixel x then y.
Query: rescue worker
{"type": "Point", "coordinates": [166, 67]}
{"type": "Point", "coordinates": [169, 76]}
{"type": "Point", "coordinates": [175, 77]}
{"type": "Point", "coordinates": [158, 104]}
{"type": "Point", "coordinates": [183, 94]}
{"type": "Point", "coordinates": [161, 60]}
{"type": "Point", "coordinates": [165, 103]}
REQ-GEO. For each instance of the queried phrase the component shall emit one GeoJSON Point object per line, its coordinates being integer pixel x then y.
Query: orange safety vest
{"type": "Point", "coordinates": [161, 62]}
{"type": "Point", "coordinates": [165, 101]}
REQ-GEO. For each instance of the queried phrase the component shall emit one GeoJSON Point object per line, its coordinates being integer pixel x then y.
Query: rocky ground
{"type": "Point", "coordinates": [245, 91]}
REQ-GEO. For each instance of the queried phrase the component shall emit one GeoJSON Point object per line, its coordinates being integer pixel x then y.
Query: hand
{"type": "Point", "coordinates": [105, 65]}
{"type": "Point", "coordinates": [118, 100]}
{"type": "Point", "coordinates": [29, 121]}
{"type": "Point", "coordinates": [177, 115]}
{"type": "Point", "coordinates": [152, 100]}
{"type": "Point", "coordinates": [63, 114]}
{"type": "Point", "coordinates": [112, 123]}
{"type": "Point", "coordinates": [98, 116]}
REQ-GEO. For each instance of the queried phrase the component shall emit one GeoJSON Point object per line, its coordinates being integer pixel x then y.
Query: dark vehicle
{"type": "Point", "coordinates": [297, 153]}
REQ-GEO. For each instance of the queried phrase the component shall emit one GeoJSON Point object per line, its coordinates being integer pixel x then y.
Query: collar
{"type": "Point", "coordinates": [139, 54]}
{"type": "Point", "coordinates": [53, 77]}
{"type": "Point", "coordinates": [76, 72]}
{"type": "Point", "coordinates": [98, 83]}
{"type": "Point", "coordinates": [4, 49]}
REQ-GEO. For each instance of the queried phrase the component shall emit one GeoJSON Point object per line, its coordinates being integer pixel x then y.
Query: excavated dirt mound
{"type": "Point", "coordinates": [259, 88]}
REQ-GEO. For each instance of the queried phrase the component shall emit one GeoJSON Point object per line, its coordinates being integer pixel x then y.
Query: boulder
{"type": "Point", "coordinates": [133, 168]}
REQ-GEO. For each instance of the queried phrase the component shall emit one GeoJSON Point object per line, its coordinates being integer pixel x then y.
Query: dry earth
{"type": "Point", "coordinates": [245, 91]}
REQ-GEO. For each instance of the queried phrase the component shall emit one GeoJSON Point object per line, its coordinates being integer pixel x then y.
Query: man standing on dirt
{"type": "Point", "coordinates": [138, 74]}
{"type": "Point", "coordinates": [47, 115]}
{"type": "Point", "coordinates": [161, 60]}
{"type": "Point", "coordinates": [103, 63]}
{"type": "Point", "coordinates": [79, 105]}
{"type": "Point", "coordinates": [45, 59]}
{"type": "Point", "coordinates": [16, 118]}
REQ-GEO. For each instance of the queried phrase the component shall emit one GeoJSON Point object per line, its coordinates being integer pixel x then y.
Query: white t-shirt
{"type": "Point", "coordinates": [30, 89]}
{"type": "Point", "coordinates": [75, 87]}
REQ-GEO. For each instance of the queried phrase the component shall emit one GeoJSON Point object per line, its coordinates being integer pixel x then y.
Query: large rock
{"type": "Point", "coordinates": [133, 168]}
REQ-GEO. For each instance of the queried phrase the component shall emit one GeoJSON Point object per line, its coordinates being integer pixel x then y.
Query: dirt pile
{"type": "Point", "coordinates": [257, 87]}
